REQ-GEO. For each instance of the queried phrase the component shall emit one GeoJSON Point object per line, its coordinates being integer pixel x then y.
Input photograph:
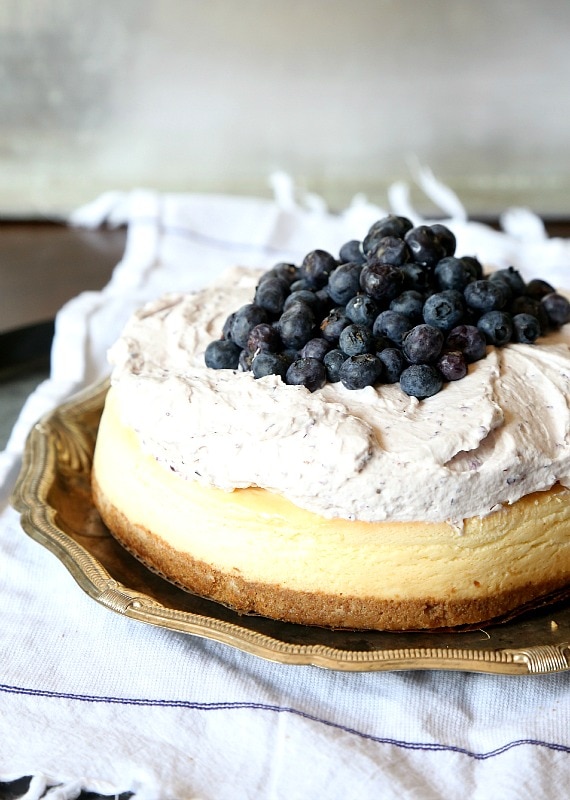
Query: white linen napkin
{"type": "Point", "coordinates": [92, 700]}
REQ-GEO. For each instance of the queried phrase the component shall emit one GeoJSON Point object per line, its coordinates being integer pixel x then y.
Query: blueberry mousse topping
{"type": "Point", "coordinates": [398, 307]}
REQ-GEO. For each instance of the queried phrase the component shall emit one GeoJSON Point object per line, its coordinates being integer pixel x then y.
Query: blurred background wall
{"type": "Point", "coordinates": [214, 95]}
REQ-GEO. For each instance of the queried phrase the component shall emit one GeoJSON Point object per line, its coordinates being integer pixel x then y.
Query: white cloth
{"type": "Point", "coordinates": [90, 699]}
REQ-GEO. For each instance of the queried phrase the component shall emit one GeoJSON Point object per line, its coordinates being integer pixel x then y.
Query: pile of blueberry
{"type": "Point", "coordinates": [398, 306]}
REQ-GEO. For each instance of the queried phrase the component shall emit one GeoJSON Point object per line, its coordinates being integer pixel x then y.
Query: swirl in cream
{"type": "Point", "coordinates": [373, 454]}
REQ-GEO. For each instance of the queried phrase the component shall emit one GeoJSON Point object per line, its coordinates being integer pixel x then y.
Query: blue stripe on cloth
{"type": "Point", "coordinates": [250, 706]}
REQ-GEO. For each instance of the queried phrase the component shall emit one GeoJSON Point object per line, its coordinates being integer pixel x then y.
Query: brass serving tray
{"type": "Point", "coordinates": [53, 497]}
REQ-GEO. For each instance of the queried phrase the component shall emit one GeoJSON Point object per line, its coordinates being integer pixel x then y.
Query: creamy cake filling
{"type": "Point", "coordinates": [372, 454]}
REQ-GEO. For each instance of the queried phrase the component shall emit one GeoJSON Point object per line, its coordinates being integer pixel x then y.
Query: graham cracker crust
{"type": "Point", "coordinates": [311, 608]}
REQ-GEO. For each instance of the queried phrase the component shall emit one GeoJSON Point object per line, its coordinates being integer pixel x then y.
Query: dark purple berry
{"type": "Point", "coordinates": [469, 340]}
{"type": "Point", "coordinates": [389, 250]}
{"type": "Point", "coordinates": [382, 282]}
{"type": "Point", "coordinates": [263, 338]}
{"type": "Point", "coordinates": [344, 282]}
{"type": "Point", "coordinates": [453, 273]}
{"type": "Point", "coordinates": [416, 277]}
{"type": "Point", "coordinates": [475, 265]}
{"type": "Point", "coordinates": [512, 278]}
{"type": "Point", "coordinates": [537, 289]}
{"type": "Point", "coordinates": [392, 326]}
{"type": "Point", "coordinates": [423, 344]}
{"type": "Point", "coordinates": [288, 272]}
{"type": "Point", "coordinates": [307, 372]}
{"type": "Point", "coordinates": [317, 266]}
{"type": "Point", "coordinates": [333, 324]}
{"type": "Point", "coordinates": [362, 310]}
{"type": "Point", "coordinates": [303, 296]}
{"type": "Point", "coordinates": [484, 295]}
{"type": "Point", "coordinates": [351, 251]}
{"type": "Point", "coordinates": [394, 364]}
{"type": "Point", "coordinates": [391, 225]}
{"type": "Point", "coordinates": [421, 381]}
{"type": "Point", "coordinates": [530, 305]}
{"type": "Point", "coordinates": [316, 348]}
{"type": "Point", "coordinates": [496, 327]}
{"type": "Point", "coordinates": [557, 309]}
{"type": "Point", "coordinates": [246, 318]}
{"type": "Point", "coordinates": [356, 339]}
{"type": "Point", "coordinates": [425, 246]}
{"type": "Point", "coordinates": [270, 295]}
{"type": "Point", "coordinates": [445, 237]}
{"type": "Point", "coordinates": [296, 326]}
{"type": "Point", "coordinates": [452, 365]}
{"type": "Point", "coordinates": [227, 328]}
{"type": "Point", "coordinates": [265, 364]}
{"type": "Point", "coordinates": [444, 310]}
{"type": "Point", "coordinates": [526, 328]}
{"type": "Point", "coordinates": [333, 361]}
{"type": "Point", "coordinates": [222, 354]}
{"type": "Point", "coordinates": [360, 371]}
{"type": "Point", "coordinates": [410, 303]}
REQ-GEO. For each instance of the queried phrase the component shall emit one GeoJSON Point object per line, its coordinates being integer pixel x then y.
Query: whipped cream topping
{"type": "Point", "coordinates": [373, 454]}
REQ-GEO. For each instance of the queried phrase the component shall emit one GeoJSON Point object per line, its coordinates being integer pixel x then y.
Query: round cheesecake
{"type": "Point", "coordinates": [345, 508]}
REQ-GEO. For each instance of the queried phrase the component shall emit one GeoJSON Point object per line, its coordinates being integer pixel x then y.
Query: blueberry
{"type": "Point", "coordinates": [270, 295]}
{"type": "Point", "coordinates": [227, 327]}
{"type": "Point", "coordinates": [423, 344]}
{"type": "Point", "coordinates": [445, 237]}
{"type": "Point", "coordinates": [287, 272]}
{"type": "Point", "coordinates": [537, 289]}
{"type": "Point", "coordinates": [246, 318]}
{"type": "Point", "coordinates": [263, 338]}
{"type": "Point", "coordinates": [333, 361]}
{"type": "Point", "coordinates": [523, 304]}
{"type": "Point", "coordinates": [421, 381]}
{"type": "Point", "coordinates": [296, 326]}
{"type": "Point", "coordinates": [475, 265]}
{"type": "Point", "coordinates": [512, 278]}
{"type": "Point", "coordinates": [424, 245]}
{"type": "Point", "coordinates": [245, 360]}
{"type": "Point", "coordinates": [222, 354]}
{"type": "Point", "coordinates": [416, 276]}
{"type": "Point", "coordinates": [496, 327]}
{"type": "Point", "coordinates": [300, 284]}
{"type": "Point", "coordinates": [394, 363]}
{"type": "Point", "coordinates": [265, 364]}
{"type": "Point", "coordinates": [362, 310]}
{"type": "Point", "coordinates": [557, 308]}
{"type": "Point", "coordinates": [391, 225]}
{"type": "Point", "coordinates": [389, 250]}
{"type": "Point", "coordinates": [307, 372]}
{"type": "Point", "coordinates": [392, 325]}
{"type": "Point", "coordinates": [344, 282]}
{"type": "Point", "coordinates": [360, 371]}
{"type": "Point", "coordinates": [356, 339]}
{"type": "Point", "coordinates": [452, 365]}
{"type": "Point", "coordinates": [333, 324]}
{"type": "Point", "coordinates": [453, 273]}
{"type": "Point", "coordinates": [305, 296]}
{"type": "Point", "coordinates": [317, 266]}
{"type": "Point", "coordinates": [444, 310]}
{"type": "Point", "coordinates": [316, 348]}
{"type": "Point", "coordinates": [469, 340]}
{"type": "Point", "coordinates": [485, 295]}
{"type": "Point", "coordinates": [351, 251]}
{"type": "Point", "coordinates": [526, 328]}
{"type": "Point", "coordinates": [382, 282]}
{"type": "Point", "coordinates": [410, 303]}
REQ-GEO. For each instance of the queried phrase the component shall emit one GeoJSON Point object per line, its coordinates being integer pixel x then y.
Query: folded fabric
{"type": "Point", "coordinates": [92, 700]}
